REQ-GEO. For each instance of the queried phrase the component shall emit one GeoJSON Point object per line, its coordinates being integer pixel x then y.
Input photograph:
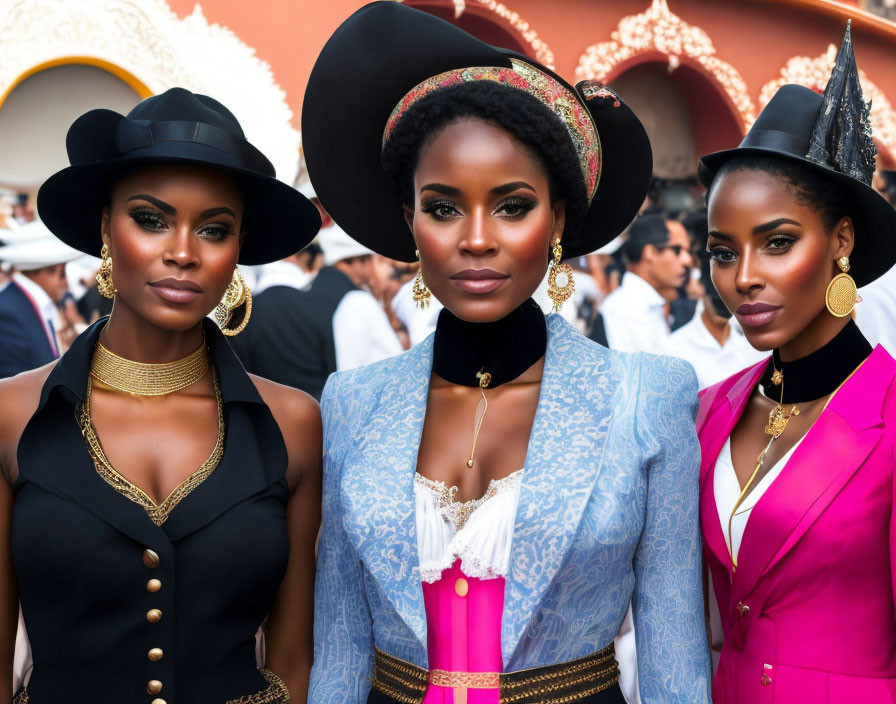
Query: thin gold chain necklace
{"type": "Point", "coordinates": [141, 379]}
{"type": "Point", "coordinates": [778, 419]}
{"type": "Point", "coordinates": [777, 422]}
{"type": "Point", "coordinates": [484, 380]}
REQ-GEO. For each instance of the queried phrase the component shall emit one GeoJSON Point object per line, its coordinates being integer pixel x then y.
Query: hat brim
{"type": "Point", "coordinates": [360, 76]}
{"type": "Point", "coordinates": [280, 221]}
{"type": "Point", "coordinates": [874, 219]}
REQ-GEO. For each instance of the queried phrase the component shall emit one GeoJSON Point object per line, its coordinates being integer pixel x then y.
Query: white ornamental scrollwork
{"type": "Point", "coordinates": [815, 72]}
{"type": "Point", "coordinates": [658, 29]}
{"type": "Point", "coordinates": [540, 50]}
{"type": "Point", "coordinates": [144, 39]}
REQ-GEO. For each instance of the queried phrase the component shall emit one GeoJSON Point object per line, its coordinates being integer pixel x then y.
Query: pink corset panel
{"type": "Point", "coordinates": [463, 619]}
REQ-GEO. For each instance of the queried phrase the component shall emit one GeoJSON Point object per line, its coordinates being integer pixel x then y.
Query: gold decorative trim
{"type": "Point", "coordinates": [158, 513]}
{"type": "Point", "coordinates": [457, 513]}
{"type": "Point", "coordinates": [275, 693]}
{"type": "Point", "coordinates": [565, 683]}
{"type": "Point", "coordinates": [21, 697]}
{"type": "Point", "coordinates": [466, 680]}
{"type": "Point", "coordinates": [658, 29]}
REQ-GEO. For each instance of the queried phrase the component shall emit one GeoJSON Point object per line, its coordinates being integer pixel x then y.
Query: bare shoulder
{"type": "Point", "coordinates": [291, 407]}
{"type": "Point", "coordinates": [19, 396]}
{"type": "Point", "coordinates": [298, 416]}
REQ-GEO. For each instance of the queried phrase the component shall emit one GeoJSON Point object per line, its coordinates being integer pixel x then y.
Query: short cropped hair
{"type": "Point", "coordinates": [647, 229]}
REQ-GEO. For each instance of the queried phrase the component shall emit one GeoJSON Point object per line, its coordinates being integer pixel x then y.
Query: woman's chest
{"type": "Point", "coordinates": [471, 437]}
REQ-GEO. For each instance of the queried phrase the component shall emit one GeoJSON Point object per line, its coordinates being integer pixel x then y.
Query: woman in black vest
{"type": "Point", "coordinates": [142, 578]}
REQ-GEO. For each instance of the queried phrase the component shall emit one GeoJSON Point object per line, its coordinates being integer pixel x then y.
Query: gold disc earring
{"type": "Point", "coordinates": [104, 283]}
{"type": "Point", "coordinates": [421, 291]}
{"type": "Point", "coordinates": [561, 284]}
{"type": "Point", "coordinates": [842, 294]}
{"type": "Point", "coordinates": [236, 295]}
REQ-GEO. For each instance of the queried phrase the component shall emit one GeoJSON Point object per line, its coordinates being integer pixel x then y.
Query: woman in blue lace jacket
{"type": "Point", "coordinates": [497, 497]}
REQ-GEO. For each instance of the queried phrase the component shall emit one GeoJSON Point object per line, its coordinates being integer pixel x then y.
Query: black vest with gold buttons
{"type": "Point", "coordinates": [121, 610]}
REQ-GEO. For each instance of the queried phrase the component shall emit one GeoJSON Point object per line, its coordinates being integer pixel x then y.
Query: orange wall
{"type": "Point", "coordinates": [756, 36]}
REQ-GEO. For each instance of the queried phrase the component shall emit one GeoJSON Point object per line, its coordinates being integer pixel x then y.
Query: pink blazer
{"type": "Point", "coordinates": [808, 617]}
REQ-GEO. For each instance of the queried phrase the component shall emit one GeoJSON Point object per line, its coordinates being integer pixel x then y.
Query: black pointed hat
{"type": "Point", "coordinates": [175, 127]}
{"type": "Point", "coordinates": [830, 134]}
{"type": "Point", "coordinates": [384, 52]}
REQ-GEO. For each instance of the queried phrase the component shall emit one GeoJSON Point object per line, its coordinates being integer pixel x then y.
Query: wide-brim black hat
{"type": "Point", "coordinates": [784, 129]}
{"type": "Point", "coordinates": [372, 61]}
{"type": "Point", "coordinates": [176, 127]}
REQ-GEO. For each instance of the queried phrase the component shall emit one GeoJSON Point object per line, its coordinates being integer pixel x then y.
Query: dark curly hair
{"type": "Point", "coordinates": [804, 184]}
{"type": "Point", "coordinates": [522, 115]}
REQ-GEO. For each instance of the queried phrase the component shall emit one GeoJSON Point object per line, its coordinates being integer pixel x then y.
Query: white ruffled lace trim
{"type": "Point", "coordinates": [477, 532]}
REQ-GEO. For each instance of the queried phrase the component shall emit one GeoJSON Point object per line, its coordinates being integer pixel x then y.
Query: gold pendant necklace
{"type": "Point", "coordinates": [778, 418]}
{"type": "Point", "coordinates": [142, 379]}
{"type": "Point", "coordinates": [484, 380]}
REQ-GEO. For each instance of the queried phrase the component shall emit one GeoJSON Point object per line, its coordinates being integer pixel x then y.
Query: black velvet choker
{"type": "Point", "coordinates": [505, 348]}
{"type": "Point", "coordinates": [818, 374]}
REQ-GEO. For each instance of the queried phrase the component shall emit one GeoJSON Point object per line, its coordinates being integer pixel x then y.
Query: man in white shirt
{"type": "Point", "coordinates": [30, 321]}
{"type": "Point", "coordinates": [658, 259]}
{"type": "Point", "coordinates": [712, 341]}
{"type": "Point", "coordinates": [876, 314]}
{"type": "Point", "coordinates": [299, 337]}
{"type": "Point", "coordinates": [295, 271]}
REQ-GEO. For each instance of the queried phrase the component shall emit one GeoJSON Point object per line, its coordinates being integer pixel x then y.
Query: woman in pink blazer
{"type": "Point", "coordinates": [798, 452]}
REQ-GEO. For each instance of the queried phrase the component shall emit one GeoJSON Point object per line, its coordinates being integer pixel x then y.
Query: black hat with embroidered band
{"type": "Point", "coordinates": [830, 134]}
{"type": "Point", "coordinates": [388, 58]}
{"type": "Point", "coordinates": [175, 127]}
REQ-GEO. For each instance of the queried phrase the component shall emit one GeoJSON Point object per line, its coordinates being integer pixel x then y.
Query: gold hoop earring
{"type": "Point", "coordinates": [561, 284]}
{"type": "Point", "coordinates": [236, 295]}
{"type": "Point", "coordinates": [104, 283]}
{"type": "Point", "coordinates": [842, 294]}
{"type": "Point", "coordinates": [421, 292]}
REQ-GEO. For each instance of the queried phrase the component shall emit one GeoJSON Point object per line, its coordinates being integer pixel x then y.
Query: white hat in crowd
{"type": "Point", "coordinates": [338, 246]}
{"type": "Point", "coordinates": [33, 246]}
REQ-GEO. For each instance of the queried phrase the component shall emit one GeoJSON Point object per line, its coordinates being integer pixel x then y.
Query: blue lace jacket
{"type": "Point", "coordinates": [607, 514]}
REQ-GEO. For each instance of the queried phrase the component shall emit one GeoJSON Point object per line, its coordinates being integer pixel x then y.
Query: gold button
{"type": "Point", "coordinates": [159, 701]}
{"type": "Point", "coordinates": [153, 585]}
{"type": "Point", "coordinates": [153, 616]}
{"type": "Point", "coordinates": [155, 654]}
{"type": "Point", "coordinates": [461, 587]}
{"type": "Point", "coordinates": [154, 687]}
{"type": "Point", "coordinates": [150, 558]}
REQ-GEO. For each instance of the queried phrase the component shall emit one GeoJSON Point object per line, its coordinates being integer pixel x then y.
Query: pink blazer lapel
{"type": "Point", "coordinates": [832, 451]}
{"type": "Point", "coordinates": [720, 409]}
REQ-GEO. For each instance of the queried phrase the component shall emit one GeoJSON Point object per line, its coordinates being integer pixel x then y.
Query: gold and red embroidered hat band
{"type": "Point", "coordinates": [558, 98]}
{"type": "Point", "coordinates": [392, 56]}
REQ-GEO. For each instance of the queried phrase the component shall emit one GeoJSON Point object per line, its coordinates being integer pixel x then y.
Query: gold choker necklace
{"type": "Point", "coordinates": [142, 379]}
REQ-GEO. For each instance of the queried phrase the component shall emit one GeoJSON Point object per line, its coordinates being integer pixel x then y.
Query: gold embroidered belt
{"type": "Point", "coordinates": [565, 683]}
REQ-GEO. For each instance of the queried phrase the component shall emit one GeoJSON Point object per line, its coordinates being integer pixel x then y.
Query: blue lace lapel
{"type": "Point", "coordinates": [378, 484]}
{"type": "Point", "coordinates": [563, 462]}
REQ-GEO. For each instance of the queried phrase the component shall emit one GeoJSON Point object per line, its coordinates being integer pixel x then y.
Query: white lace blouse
{"type": "Point", "coordinates": [478, 532]}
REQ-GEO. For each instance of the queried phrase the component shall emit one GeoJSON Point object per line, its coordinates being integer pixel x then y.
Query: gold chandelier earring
{"type": "Point", "coordinates": [561, 284]}
{"type": "Point", "coordinates": [842, 294]}
{"type": "Point", "coordinates": [421, 292]}
{"type": "Point", "coordinates": [104, 282]}
{"type": "Point", "coordinates": [228, 315]}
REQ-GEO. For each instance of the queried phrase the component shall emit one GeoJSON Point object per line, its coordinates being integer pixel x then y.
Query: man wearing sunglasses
{"type": "Point", "coordinates": [658, 261]}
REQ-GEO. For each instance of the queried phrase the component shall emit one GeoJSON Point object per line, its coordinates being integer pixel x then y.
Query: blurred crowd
{"type": "Point", "coordinates": [336, 305]}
